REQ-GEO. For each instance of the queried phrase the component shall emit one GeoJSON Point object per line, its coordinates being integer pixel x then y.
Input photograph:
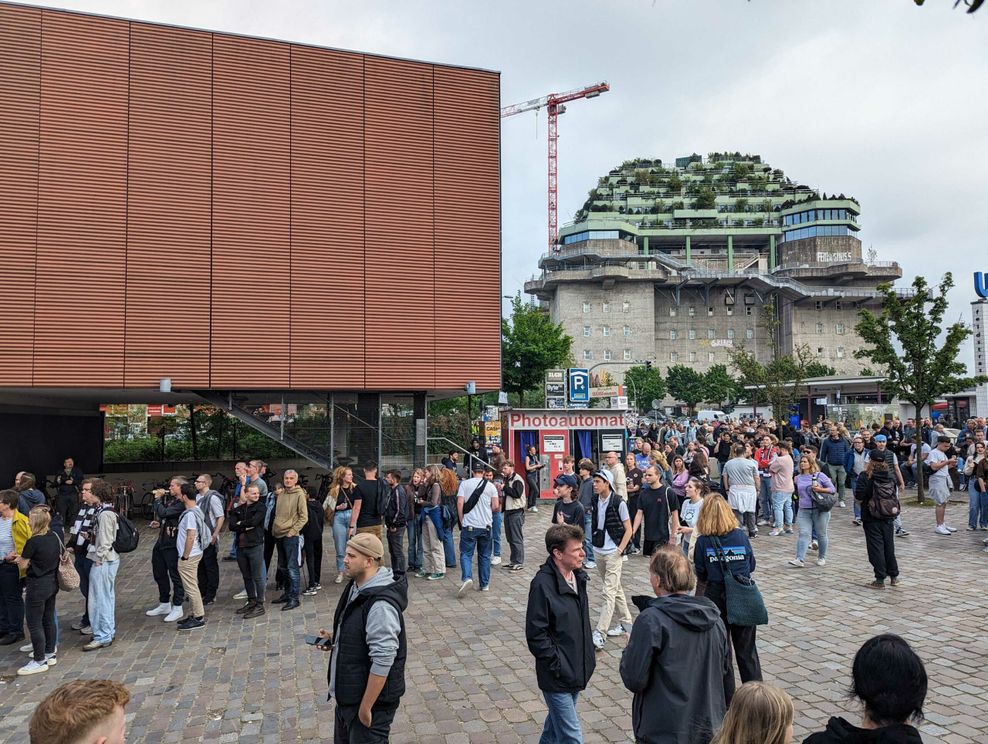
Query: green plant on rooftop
{"type": "Point", "coordinates": [705, 198]}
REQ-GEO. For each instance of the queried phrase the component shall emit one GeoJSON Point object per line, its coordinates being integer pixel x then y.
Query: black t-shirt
{"type": "Point", "coordinates": [345, 498]}
{"type": "Point", "coordinates": [43, 551]}
{"type": "Point", "coordinates": [366, 495]}
{"type": "Point", "coordinates": [572, 512]}
{"type": "Point", "coordinates": [656, 506]}
{"type": "Point", "coordinates": [633, 479]}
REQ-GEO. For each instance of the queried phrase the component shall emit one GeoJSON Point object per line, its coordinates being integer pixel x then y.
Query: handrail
{"type": "Point", "coordinates": [468, 453]}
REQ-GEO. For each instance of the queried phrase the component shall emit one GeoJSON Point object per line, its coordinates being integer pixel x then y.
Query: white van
{"type": "Point", "coordinates": [711, 415]}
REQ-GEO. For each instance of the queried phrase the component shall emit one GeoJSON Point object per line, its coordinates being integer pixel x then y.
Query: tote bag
{"type": "Point", "coordinates": [745, 605]}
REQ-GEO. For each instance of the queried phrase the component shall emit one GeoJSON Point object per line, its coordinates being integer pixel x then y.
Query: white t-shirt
{"type": "Point", "coordinates": [482, 515]}
{"type": "Point", "coordinates": [689, 511]}
{"type": "Point", "coordinates": [943, 474]}
{"type": "Point", "coordinates": [609, 545]}
{"type": "Point", "coordinates": [187, 523]}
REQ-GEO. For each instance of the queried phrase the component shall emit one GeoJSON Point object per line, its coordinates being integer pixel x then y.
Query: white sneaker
{"type": "Point", "coordinates": [496, 560]}
{"type": "Point", "coordinates": [821, 561]}
{"type": "Point", "coordinates": [464, 587]}
{"type": "Point", "coordinates": [775, 533]}
{"type": "Point", "coordinates": [842, 504]}
{"type": "Point", "coordinates": [591, 565]}
{"type": "Point", "coordinates": [950, 529]}
{"type": "Point", "coordinates": [27, 648]}
{"type": "Point", "coordinates": [241, 594]}
{"type": "Point", "coordinates": [941, 529]}
{"type": "Point", "coordinates": [33, 667]}
{"type": "Point", "coordinates": [51, 659]}
{"type": "Point", "coordinates": [175, 614]}
{"type": "Point", "coordinates": [164, 608]}
{"type": "Point", "coordinates": [534, 510]}
{"type": "Point", "coordinates": [598, 640]}
{"type": "Point", "coordinates": [338, 579]}
{"type": "Point", "coordinates": [762, 522]}
{"type": "Point", "coordinates": [797, 563]}
{"type": "Point", "coordinates": [624, 558]}
{"type": "Point", "coordinates": [617, 630]}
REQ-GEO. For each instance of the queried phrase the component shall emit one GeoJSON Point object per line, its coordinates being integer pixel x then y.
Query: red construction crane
{"type": "Point", "coordinates": [554, 104]}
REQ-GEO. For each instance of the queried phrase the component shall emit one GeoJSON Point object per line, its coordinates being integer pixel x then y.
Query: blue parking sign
{"type": "Point", "coordinates": [579, 385]}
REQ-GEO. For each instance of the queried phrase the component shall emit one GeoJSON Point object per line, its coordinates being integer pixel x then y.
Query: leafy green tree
{"type": "Point", "coordinates": [644, 384]}
{"type": "Point", "coordinates": [686, 384]}
{"type": "Point", "coordinates": [719, 386]}
{"type": "Point", "coordinates": [904, 345]}
{"type": "Point", "coordinates": [530, 345]}
{"type": "Point", "coordinates": [705, 198]}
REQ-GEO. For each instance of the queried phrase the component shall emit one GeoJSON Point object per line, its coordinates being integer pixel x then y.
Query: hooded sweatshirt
{"type": "Point", "coordinates": [839, 731]}
{"type": "Point", "coordinates": [290, 513]}
{"type": "Point", "coordinates": [675, 664]}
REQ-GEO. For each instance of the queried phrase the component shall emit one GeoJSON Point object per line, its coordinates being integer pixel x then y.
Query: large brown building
{"type": "Point", "coordinates": [238, 215]}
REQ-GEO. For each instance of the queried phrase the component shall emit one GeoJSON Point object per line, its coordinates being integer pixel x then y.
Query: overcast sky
{"type": "Point", "coordinates": [880, 99]}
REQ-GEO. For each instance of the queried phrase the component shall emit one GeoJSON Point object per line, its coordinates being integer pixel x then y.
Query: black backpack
{"type": "Point", "coordinates": [127, 535]}
{"type": "Point", "coordinates": [883, 504]}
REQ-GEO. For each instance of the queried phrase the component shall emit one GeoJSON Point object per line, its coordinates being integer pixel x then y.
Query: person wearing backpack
{"type": "Point", "coordinates": [192, 539]}
{"type": "Point", "coordinates": [101, 602]}
{"type": "Point", "coordinates": [876, 491]}
{"type": "Point", "coordinates": [210, 503]}
{"type": "Point", "coordinates": [476, 502]}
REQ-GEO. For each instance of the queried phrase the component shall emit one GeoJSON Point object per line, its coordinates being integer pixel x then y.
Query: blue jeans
{"type": "Point", "coordinates": [341, 525]}
{"type": "Point", "coordinates": [815, 521]}
{"type": "Point", "coordinates": [415, 549]}
{"type": "Point", "coordinates": [562, 725]}
{"type": "Point", "coordinates": [103, 599]}
{"type": "Point", "coordinates": [587, 545]}
{"type": "Point", "coordinates": [288, 557]}
{"type": "Point", "coordinates": [83, 565]}
{"type": "Point", "coordinates": [765, 499]}
{"type": "Point", "coordinates": [977, 509]}
{"type": "Point", "coordinates": [496, 532]}
{"type": "Point", "coordinates": [782, 509]}
{"type": "Point", "coordinates": [472, 539]}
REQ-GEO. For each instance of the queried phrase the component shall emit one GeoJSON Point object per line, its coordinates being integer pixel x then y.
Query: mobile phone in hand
{"type": "Point", "coordinates": [314, 640]}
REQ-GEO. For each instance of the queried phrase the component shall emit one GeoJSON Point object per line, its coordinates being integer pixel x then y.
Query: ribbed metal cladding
{"type": "Point", "coordinates": [467, 228]}
{"type": "Point", "coordinates": [327, 187]}
{"type": "Point", "coordinates": [20, 59]}
{"type": "Point", "coordinates": [251, 280]}
{"type": "Point", "coordinates": [79, 321]}
{"type": "Point", "coordinates": [399, 259]}
{"type": "Point", "coordinates": [168, 229]}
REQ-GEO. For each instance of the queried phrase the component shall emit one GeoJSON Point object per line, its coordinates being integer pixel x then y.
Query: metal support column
{"type": "Point", "coordinates": [772, 260]}
{"type": "Point", "coordinates": [730, 253]}
{"type": "Point", "coordinates": [689, 251]}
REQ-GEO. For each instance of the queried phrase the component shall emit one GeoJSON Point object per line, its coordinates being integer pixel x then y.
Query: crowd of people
{"type": "Point", "coordinates": [690, 497]}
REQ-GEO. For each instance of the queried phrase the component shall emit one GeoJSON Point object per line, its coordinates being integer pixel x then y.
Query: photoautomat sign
{"type": "Point", "coordinates": [570, 420]}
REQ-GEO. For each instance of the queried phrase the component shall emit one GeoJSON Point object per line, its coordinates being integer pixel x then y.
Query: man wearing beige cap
{"type": "Point", "coordinates": [367, 663]}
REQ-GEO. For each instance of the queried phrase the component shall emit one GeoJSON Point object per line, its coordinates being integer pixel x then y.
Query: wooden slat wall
{"type": "Point", "coordinates": [20, 63]}
{"type": "Point", "coordinates": [79, 317]}
{"type": "Point", "coordinates": [251, 281]}
{"type": "Point", "coordinates": [327, 288]}
{"type": "Point", "coordinates": [168, 200]}
{"type": "Point", "coordinates": [400, 307]}
{"type": "Point", "coordinates": [240, 213]}
{"type": "Point", "coordinates": [467, 191]}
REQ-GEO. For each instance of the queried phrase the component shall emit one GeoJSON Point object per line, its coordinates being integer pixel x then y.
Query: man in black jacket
{"type": "Point", "coordinates": [557, 627]}
{"type": "Point", "coordinates": [676, 701]}
{"type": "Point", "coordinates": [367, 666]}
{"type": "Point", "coordinates": [168, 507]}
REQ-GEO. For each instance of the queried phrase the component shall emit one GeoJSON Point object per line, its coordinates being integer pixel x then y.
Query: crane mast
{"type": "Point", "coordinates": [554, 103]}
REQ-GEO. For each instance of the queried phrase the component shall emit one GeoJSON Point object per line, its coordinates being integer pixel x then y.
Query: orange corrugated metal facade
{"type": "Point", "coordinates": [238, 213]}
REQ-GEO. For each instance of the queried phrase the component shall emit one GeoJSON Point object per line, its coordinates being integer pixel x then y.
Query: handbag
{"type": "Point", "coordinates": [68, 577]}
{"type": "Point", "coordinates": [745, 605]}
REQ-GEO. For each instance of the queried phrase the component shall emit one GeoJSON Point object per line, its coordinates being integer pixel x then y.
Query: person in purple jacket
{"type": "Point", "coordinates": [810, 519]}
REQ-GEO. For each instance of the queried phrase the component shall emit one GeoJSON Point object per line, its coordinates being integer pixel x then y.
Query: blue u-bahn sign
{"type": "Point", "coordinates": [980, 287]}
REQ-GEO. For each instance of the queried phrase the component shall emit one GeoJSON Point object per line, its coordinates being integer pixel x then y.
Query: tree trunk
{"type": "Point", "coordinates": [193, 435]}
{"type": "Point", "coordinates": [918, 438]}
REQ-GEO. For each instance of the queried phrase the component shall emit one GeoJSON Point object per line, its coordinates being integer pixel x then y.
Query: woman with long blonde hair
{"type": "Point", "coordinates": [760, 713]}
{"type": "Point", "coordinates": [721, 542]}
{"type": "Point", "coordinates": [433, 528]}
{"type": "Point", "coordinates": [39, 558]}
{"type": "Point", "coordinates": [340, 500]}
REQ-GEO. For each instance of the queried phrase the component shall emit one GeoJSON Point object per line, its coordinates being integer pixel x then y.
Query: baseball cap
{"type": "Point", "coordinates": [477, 467]}
{"type": "Point", "coordinates": [880, 438]}
{"type": "Point", "coordinates": [876, 455]}
{"type": "Point", "coordinates": [564, 479]}
{"type": "Point", "coordinates": [606, 475]}
{"type": "Point", "coordinates": [368, 544]}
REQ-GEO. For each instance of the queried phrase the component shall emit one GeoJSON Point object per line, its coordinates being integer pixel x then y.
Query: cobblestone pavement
{"type": "Point", "coordinates": [470, 676]}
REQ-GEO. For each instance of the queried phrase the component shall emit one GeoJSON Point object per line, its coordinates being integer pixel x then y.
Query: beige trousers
{"type": "Point", "coordinates": [432, 549]}
{"type": "Point", "coordinates": [609, 568]}
{"type": "Point", "coordinates": [188, 570]}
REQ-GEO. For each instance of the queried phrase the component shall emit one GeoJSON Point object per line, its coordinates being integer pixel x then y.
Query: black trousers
{"type": "Point", "coordinates": [880, 539]}
{"type": "Point", "coordinates": [68, 507]}
{"type": "Point", "coordinates": [349, 729]}
{"type": "Point", "coordinates": [514, 524]}
{"type": "Point", "coordinates": [164, 567]}
{"type": "Point", "coordinates": [251, 563]}
{"type": "Point", "coordinates": [209, 574]}
{"type": "Point", "coordinates": [636, 538]}
{"type": "Point", "coordinates": [396, 547]}
{"type": "Point", "coordinates": [742, 639]}
{"type": "Point", "coordinates": [533, 491]}
{"type": "Point", "coordinates": [11, 601]}
{"type": "Point", "coordinates": [39, 607]}
{"type": "Point", "coordinates": [313, 559]}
